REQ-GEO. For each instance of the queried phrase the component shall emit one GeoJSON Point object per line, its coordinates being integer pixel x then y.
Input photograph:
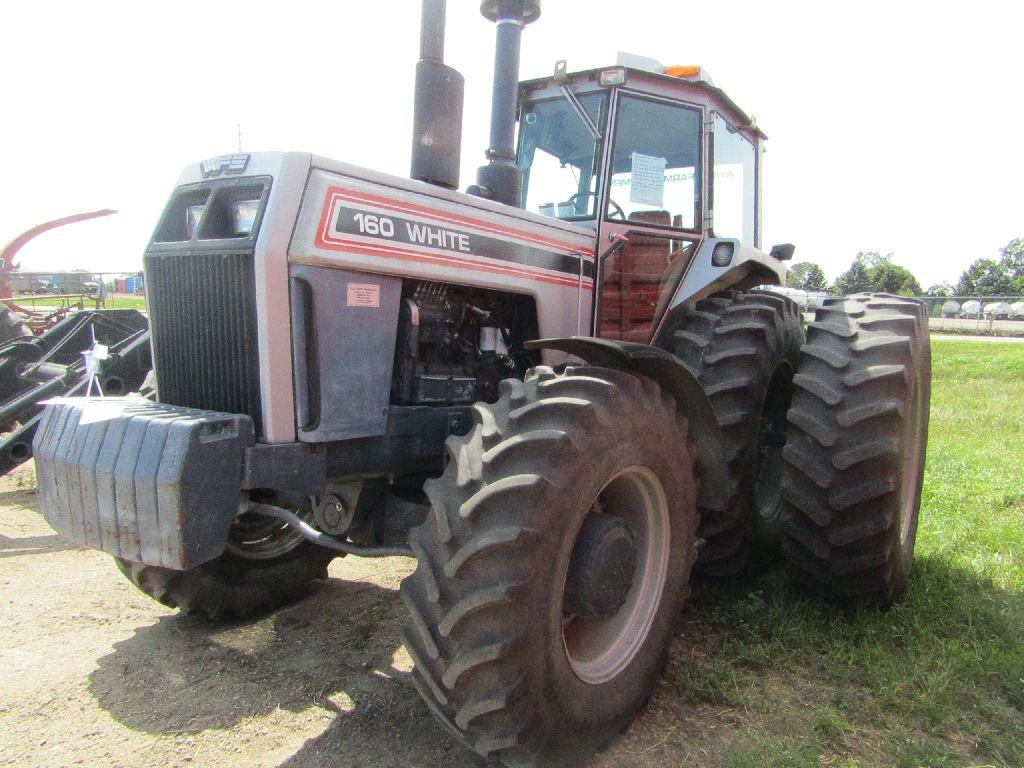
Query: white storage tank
{"type": "Point", "coordinates": [997, 310]}
{"type": "Point", "coordinates": [970, 308]}
{"type": "Point", "coordinates": [1017, 309]}
{"type": "Point", "coordinates": [950, 308]}
{"type": "Point", "coordinates": [816, 300]}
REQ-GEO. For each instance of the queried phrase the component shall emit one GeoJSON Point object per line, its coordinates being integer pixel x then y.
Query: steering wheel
{"type": "Point", "coordinates": [617, 209]}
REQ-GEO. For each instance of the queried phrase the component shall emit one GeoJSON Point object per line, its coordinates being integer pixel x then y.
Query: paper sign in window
{"type": "Point", "coordinates": [647, 182]}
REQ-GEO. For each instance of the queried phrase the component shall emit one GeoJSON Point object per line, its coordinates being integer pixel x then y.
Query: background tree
{"type": "Point", "coordinates": [1013, 262]}
{"type": "Point", "coordinates": [892, 278]}
{"type": "Point", "coordinates": [806, 276]}
{"type": "Point", "coordinates": [874, 259]}
{"type": "Point", "coordinates": [854, 280]}
{"type": "Point", "coordinates": [985, 277]}
{"type": "Point", "coordinates": [941, 290]}
{"type": "Point", "coordinates": [871, 271]}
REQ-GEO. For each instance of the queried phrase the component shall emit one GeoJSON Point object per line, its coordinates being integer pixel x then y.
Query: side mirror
{"type": "Point", "coordinates": [783, 251]}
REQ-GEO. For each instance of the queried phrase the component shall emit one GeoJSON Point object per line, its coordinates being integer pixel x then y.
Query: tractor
{"type": "Point", "coordinates": [563, 392]}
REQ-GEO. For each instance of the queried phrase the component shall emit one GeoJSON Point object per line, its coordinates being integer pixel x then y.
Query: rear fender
{"type": "Point", "coordinates": [676, 379]}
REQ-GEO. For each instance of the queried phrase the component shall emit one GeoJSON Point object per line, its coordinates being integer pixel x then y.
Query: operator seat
{"type": "Point", "coordinates": [631, 281]}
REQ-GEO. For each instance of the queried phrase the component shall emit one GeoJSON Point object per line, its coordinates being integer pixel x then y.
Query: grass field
{"type": "Point", "coordinates": [939, 679]}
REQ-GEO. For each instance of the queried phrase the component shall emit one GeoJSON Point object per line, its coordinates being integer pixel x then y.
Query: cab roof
{"type": "Point", "coordinates": [701, 82]}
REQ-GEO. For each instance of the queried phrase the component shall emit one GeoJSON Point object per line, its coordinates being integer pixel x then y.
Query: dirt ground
{"type": "Point", "coordinates": [94, 673]}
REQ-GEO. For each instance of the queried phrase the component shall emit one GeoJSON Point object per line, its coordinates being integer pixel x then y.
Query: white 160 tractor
{"type": "Point", "coordinates": [560, 392]}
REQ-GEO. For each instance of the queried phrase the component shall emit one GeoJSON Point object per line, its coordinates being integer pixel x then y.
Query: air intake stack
{"type": "Point", "coordinates": [437, 112]}
{"type": "Point", "coordinates": [501, 179]}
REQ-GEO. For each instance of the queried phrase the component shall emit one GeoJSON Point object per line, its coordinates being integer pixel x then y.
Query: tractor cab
{"type": "Point", "coordinates": [657, 160]}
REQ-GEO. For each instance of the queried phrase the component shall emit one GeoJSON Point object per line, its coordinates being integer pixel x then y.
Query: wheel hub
{"type": "Point", "coordinates": [615, 576]}
{"type": "Point", "coordinates": [601, 567]}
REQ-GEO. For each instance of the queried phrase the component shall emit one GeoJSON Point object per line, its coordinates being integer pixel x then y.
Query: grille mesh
{"type": "Point", "coordinates": [202, 310]}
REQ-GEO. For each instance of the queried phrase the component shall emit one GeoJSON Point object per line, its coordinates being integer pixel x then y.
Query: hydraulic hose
{"type": "Point", "coordinates": [318, 537]}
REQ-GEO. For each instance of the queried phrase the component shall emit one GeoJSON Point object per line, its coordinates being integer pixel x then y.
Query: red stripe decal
{"type": "Point", "coordinates": [332, 242]}
{"type": "Point", "coordinates": [354, 246]}
{"type": "Point", "coordinates": [453, 218]}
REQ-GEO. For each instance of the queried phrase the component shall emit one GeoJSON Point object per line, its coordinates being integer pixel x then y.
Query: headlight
{"type": "Point", "coordinates": [243, 216]}
{"type": "Point", "coordinates": [723, 252]}
{"type": "Point", "coordinates": [612, 77]}
{"type": "Point", "coordinates": [193, 214]}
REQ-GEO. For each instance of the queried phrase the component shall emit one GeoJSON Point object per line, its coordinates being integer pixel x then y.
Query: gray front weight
{"type": "Point", "coordinates": [143, 481]}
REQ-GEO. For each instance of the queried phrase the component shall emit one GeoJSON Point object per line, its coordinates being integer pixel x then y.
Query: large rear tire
{"type": "Point", "coordinates": [511, 653]}
{"type": "Point", "coordinates": [744, 349]}
{"type": "Point", "coordinates": [855, 456]}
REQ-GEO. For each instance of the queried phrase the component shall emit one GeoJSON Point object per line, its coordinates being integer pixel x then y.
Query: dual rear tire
{"type": "Point", "coordinates": [744, 349]}
{"type": "Point", "coordinates": [841, 498]}
{"type": "Point", "coordinates": [855, 457]}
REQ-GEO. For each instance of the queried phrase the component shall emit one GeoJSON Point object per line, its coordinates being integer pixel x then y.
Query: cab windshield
{"type": "Point", "coordinates": [558, 156]}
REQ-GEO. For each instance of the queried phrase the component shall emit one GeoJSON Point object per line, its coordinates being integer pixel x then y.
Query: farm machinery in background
{"type": "Point", "coordinates": [17, 319]}
{"type": "Point", "coordinates": [41, 350]}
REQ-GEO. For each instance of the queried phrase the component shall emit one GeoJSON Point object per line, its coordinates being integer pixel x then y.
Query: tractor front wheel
{"type": "Point", "coordinates": [265, 564]}
{"type": "Point", "coordinates": [553, 566]}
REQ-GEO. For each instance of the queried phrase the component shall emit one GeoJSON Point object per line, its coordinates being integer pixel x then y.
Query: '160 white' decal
{"type": "Point", "coordinates": [423, 234]}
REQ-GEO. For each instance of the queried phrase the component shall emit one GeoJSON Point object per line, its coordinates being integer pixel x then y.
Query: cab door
{"type": "Point", "coordinates": [651, 212]}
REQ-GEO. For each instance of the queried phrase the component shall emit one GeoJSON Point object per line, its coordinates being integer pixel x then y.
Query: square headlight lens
{"type": "Point", "coordinates": [243, 216]}
{"type": "Point", "coordinates": [193, 214]}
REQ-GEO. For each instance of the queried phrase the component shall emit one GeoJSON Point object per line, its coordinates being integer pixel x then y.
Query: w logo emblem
{"type": "Point", "coordinates": [225, 165]}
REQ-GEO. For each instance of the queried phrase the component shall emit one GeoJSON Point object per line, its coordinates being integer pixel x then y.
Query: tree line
{"type": "Point", "coordinates": [871, 271]}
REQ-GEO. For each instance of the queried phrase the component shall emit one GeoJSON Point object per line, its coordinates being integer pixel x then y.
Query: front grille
{"type": "Point", "coordinates": [202, 309]}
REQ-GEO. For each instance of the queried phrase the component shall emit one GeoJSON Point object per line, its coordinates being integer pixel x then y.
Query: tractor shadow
{"type": "Point", "coordinates": [334, 652]}
{"type": "Point", "coordinates": [18, 546]}
{"type": "Point", "coordinates": [335, 656]}
{"type": "Point", "coordinates": [25, 499]}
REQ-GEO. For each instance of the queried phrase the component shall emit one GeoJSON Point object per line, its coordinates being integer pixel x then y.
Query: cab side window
{"type": "Point", "coordinates": [734, 184]}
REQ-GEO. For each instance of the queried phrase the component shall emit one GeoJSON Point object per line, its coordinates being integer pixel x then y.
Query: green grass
{"type": "Point", "coordinates": [939, 679]}
{"type": "Point", "coordinates": [43, 301]}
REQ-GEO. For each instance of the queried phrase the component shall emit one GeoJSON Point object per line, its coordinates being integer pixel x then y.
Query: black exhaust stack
{"type": "Point", "coordinates": [437, 113]}
{"type": "Point", "coordinates": [501, 179]}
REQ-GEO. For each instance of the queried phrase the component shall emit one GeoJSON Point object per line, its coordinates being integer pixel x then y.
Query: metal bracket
{"type": "Point", "coordinates": [709, 184]}
{"type": "Point", "coordinates": [295, 467]}
{"type": "Point", "coordinates": [560, 78]}
{"type": "Point", "coordinates": [579, 291]}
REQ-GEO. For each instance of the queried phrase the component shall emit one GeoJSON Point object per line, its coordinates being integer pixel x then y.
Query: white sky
{"type": "Point", "coordinates": [894, 126]}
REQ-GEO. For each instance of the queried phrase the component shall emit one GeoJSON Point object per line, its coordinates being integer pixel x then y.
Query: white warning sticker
{"type": "Point", "coordinates": [363, 295]}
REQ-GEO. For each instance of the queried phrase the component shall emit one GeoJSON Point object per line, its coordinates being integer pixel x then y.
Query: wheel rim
{"type": "Point", "coordinates": [598, 650]}
{"type": "Point", "coordinates": [771, 440]}
{"type": "Point", "coordinates": [256, 537]}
